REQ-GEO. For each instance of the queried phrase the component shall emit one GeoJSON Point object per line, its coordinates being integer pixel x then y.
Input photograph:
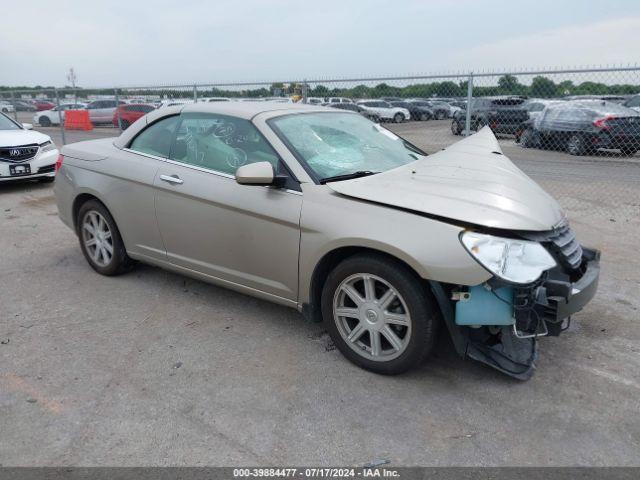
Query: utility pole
{"type": "Point", "coordinates": [71, 77]}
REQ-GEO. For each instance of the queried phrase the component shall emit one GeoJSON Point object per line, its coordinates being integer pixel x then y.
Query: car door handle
{"type": "Point", "coordinates": [171, 179]}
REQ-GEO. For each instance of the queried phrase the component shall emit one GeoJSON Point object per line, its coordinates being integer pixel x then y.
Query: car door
{"type": "Point", "coordinates": [132, 172]}
{"type": "Point", "coordinates": [245, 237]}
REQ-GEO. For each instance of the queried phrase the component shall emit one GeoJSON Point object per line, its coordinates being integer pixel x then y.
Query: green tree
{"type": "Point", "coordinates": [508, 84]}
{"type": "Point", "coordinates": [543, 87]}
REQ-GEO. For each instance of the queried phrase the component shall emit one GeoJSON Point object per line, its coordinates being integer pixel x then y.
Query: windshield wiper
{"type": "Point", "coordinates": [347, 176]}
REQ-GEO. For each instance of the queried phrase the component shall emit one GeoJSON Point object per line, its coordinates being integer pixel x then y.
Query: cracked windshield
{"type": "Point", "coordinates": [333, 144]}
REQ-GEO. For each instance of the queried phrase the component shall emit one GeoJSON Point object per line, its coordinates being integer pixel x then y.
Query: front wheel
{"type": "Point", "coordinates": [44, 121]}
{"type": "Point", "coordinates": [424, 117]}
{"type": "Point", "coordinates": [378, 314]}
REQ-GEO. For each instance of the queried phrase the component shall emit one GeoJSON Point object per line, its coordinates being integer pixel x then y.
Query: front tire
{"type": "Point", "coordinates": [100, 240]}
{"type": "Point", "coordinates": [378, 314]}
{"type": "Point", "coordinates": [398, 118]}
{"type": "Point", "coordinates": [44, 121]}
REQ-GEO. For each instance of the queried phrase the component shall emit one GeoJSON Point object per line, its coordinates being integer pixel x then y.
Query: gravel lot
{"type": "Point", "coordinates": [153, 368]}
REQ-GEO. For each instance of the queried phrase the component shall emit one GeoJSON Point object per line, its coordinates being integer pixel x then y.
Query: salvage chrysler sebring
{"type": "Point", "coordinates": [332, 214]}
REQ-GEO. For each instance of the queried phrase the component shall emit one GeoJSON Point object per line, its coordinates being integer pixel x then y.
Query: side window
{"type": "Point", "coordinates": [634, 102]}
{"type": "Point", "coordinates": [220, 143]}
{"type": "Point", "coordinates": [156, 139]}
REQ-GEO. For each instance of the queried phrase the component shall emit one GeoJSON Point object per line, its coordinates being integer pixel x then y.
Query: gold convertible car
{"type": "Point", "coordinates": [332, 214]}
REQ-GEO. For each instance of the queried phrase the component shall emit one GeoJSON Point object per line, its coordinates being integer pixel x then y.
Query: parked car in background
{"type": "Point", "coordinates": [505, 115]}
{"type": "Point", "coordinates": [535, 106]}
{"type": "Point", "coordinates": [43, 105]}
{"type": "Point", "coordinates": [353, 107]}
{"type": "Point", "coordinates": [22, 105]}
{"type": "Point", "coordinates": [418, 112]}
{"type": "Point", "coordinates": [24, 153]}
{"type": "Point", "coordinates": [315, 100]}
{"type": "Point", "coordinates": [173, 102]}
{"type": "Point", "coordinates": [634, 103]}
{"type": "Point", "coordinates": [101, 111]}
{"type": "Point", "coordinates": [125, 115]}
{"type": "Point", "coordinates": [323, 211]}
{"type": "Point", "coordinates": [214, 99]}
{"type": "Point", "coordinates": [583, 127]}
{"type": "Point", "coordinates": [385, 111]}
{"type": "Point", "coordinates": [6, 107]}
{"type": "Point", "coordinates": [440, 109]}
{"type": "Point", "coordinates": [607, 98]}
{"type": "Point", "coordinates": [46, 118]}
{"type": "Point", "coordinates": [339, 100]}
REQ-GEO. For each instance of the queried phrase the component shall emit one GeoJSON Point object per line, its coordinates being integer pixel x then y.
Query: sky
{"type": "Point", "coordinates": [158, 42]}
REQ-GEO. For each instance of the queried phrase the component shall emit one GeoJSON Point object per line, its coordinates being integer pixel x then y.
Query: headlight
{"type": "Point", "coordinates": [516, 261]}
{"type": "Point", "coordinates": [47, 146]}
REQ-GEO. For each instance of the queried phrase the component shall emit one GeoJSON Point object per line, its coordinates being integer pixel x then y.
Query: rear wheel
{"type": "Point", "coordinates": [527, 138]}
{"type": "Point", "coordinates": [378, 314]}
{"type": "Point", "coordinates": [44, 121]}
{"type": "Point", "coordinates": [440, 115]}
{"type": "Point", "coordinates": [398, 118]}
{"type": "Point", "coordinates": [424, 117]}
{"type": "Point", "coordinates": [100, 240]}
{"type": "Point", "coordinates": [455, 128]}
{"type": "Point", "coordinates": [576, 146]}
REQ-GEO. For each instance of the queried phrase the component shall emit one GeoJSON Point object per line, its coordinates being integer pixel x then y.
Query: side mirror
{"type": "Point", "coordinates": [27, 126]}
{"type": "Point", "coordinates": [259, 173]}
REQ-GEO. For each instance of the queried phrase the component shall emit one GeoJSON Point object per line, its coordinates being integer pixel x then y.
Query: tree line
{"type": "Point", "coordinates": [540, 86]}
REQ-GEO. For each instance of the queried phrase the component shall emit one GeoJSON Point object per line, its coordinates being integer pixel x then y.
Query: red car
{"type": "Point", "coordinates": [129, 113]}
{"type": "Point", "coordinates": [43, 105]}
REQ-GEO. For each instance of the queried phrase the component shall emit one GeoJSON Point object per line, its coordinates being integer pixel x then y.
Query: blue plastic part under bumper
{"type": "Point", "coordinates": [484, 307]}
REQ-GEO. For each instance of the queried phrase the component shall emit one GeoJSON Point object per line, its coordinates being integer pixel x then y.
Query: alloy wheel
{"type": "Point", "coordinates": [372, 317]}
{"type": "Point", "coordinates": [97, 238]}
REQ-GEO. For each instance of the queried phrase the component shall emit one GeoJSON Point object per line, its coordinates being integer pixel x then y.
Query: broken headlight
{"type": "Point", "coordinates": [512, 260]}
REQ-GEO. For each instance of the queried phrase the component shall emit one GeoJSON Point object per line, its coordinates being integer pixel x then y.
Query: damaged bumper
{"type": "Point", "coordinates": [508, 342]}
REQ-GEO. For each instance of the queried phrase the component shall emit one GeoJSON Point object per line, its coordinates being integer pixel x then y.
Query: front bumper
{"type": "Point", "coordinates": [42, 165]}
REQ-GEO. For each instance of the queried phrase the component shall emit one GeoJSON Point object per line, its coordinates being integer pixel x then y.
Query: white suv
{"type": "Point", "coordinates": [385, 111]}
{"type": "Point", "coordinates": [46, 118]}
{"type": "Point", "coordinates": [6, 107]}
{"type": "Point", "coordinates": [25, 153]}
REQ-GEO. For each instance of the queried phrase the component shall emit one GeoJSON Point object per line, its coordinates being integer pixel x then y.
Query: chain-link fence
{"type": "Point", "coordinates": [576, 132]}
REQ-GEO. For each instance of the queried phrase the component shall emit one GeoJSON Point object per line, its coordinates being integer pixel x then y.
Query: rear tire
{"type": "Point", "coordinates": [440, 115]}
{"type": "Point", "coordinates": [100, 240]}
{"type": "Point", "coordinates": [44, 121]}
{"type": "Point", "coordinates": [575, 145]}
{"type": "Point", "coordinates": [455, 128]}
{"type": "Point", "coordinates": [398, 118]}
{"type": "Point", "coordinates": [393, 325]}
{"type": "Point", "coordinates": [424, 117]}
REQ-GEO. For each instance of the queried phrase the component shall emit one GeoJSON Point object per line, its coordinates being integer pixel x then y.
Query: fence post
{"type": "Point", "coordinates": [61, 120]}
{"type": "Point", "coordinates": [195, 94]}
{"type": "Point", "coordinates": [305, 91]}
{"type": "Point", "coordinates": [15, 109]}
{"type": "Point", "coordinates": [115, 91]}
{"type": "Point", "coordinates": [467, 123]}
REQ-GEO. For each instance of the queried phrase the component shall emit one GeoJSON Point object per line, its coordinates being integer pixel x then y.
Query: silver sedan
{"type": "Point", "coordinates": [332, 214]}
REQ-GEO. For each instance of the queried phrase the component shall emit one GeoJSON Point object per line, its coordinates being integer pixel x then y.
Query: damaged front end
{"type": "Point", "coordinates": [498, 322]}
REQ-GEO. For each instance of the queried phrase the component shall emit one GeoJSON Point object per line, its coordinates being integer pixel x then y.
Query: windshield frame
{"type": "Point", "coordinates": [271, 122]}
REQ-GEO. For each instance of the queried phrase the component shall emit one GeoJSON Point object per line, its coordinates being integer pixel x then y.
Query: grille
{"type": "Point", "coordinates": [562, 244]}
{"type": "Point", "coordinates": [18, 154]}
{"type": "Point", "coordinates": [566, 246]}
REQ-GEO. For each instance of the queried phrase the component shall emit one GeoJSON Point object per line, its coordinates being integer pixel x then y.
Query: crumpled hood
{"type": "Point", "coordinates": [470, 181]}
{"type": "Point", "coordinates": [15, 138]}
